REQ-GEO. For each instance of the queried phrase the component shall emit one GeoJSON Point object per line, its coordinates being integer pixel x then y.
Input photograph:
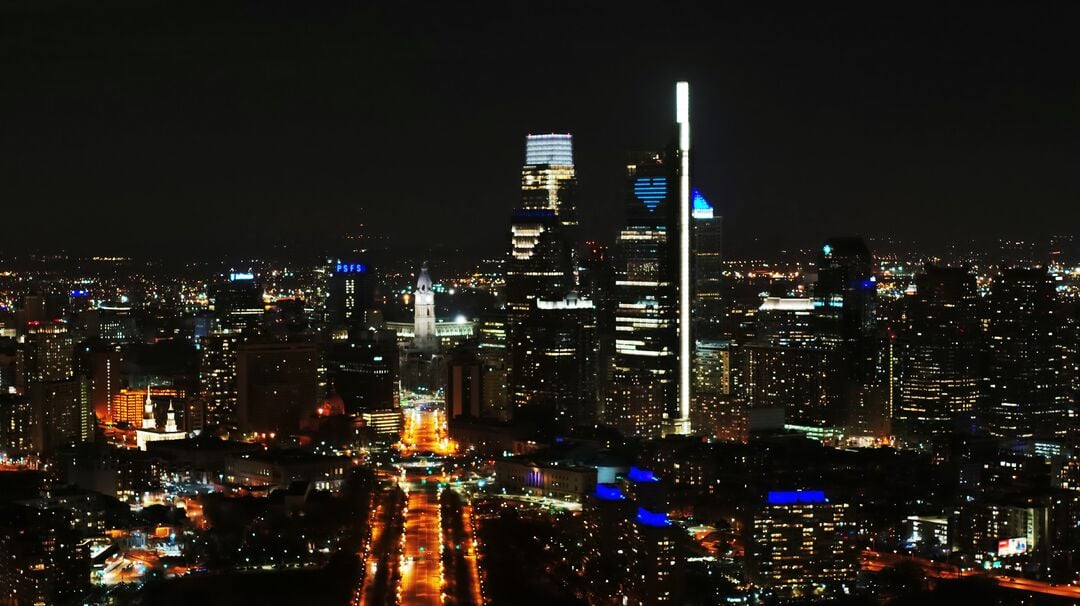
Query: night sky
{"type": "Point", "coordinates": [146, 127]}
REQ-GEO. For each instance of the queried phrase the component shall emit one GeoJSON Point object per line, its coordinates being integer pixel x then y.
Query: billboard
{"type": "Point", "coordinates": [1009, 547]}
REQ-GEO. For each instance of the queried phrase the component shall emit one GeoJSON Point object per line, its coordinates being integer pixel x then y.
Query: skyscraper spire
{"type": "Point", "coordinates": [682, 118]}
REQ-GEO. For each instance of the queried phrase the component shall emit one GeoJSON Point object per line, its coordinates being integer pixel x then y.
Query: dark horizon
{"type": "Point", "coordinates": [137, 129]}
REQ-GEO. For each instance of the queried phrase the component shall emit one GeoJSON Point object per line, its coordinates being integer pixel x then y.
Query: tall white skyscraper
{"type": "Point", "coordinates": [682, 118]}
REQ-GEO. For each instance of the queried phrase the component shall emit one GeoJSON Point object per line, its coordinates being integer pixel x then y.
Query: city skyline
{"type": "Point", "coordinates": [285, 318]}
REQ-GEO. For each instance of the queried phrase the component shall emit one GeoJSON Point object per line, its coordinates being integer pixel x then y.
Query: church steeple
{"type": "Point", "coordinates": [148, 420]}
{"type": "Point", "coordinates": [170, 421]}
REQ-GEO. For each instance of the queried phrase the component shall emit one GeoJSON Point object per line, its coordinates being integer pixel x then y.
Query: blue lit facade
{"type": "Point", "coordinates": [656, 519]}
{"type": "Point", "coordinates": [795, 496]}
{"type": "Point", "coordinates": [637, 474]}
{"type": "Point", "coordinates": [607, 492]}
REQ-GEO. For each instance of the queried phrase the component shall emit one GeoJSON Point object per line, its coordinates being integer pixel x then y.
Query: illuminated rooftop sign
{"type": "Point", "coordinates": [241, 276]}
{"type": "Point", "coordinates": [350, 268]}
{"type": "Point", "coordinates": [793, 497]}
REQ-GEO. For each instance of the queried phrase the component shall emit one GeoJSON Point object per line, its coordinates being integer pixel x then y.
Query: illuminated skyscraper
{"type": "Point", "coordinates": [560, 338]}
{"type": "Point", "coordinates": [941, 354]}
{"type": "Point", "coordinates": [492, 353]}
{"type": "Point", "coordinates": [802, 541]}
{"type": "Point", "coordinates": [104, 366]}
{"type": "Point", "coordinates": [707, 265]}
{"type": "Point", "coordinates": [540, 266]}
{"type": "Point", "coordinates": [217, 376]}
{"type": "Point", "coordinates": [1024, 396]}
{"type": "Point", "coordinates": [547, 178]}
{"type": "Point", "coordinates": [351, 294]}
{"type": "Point", "coordinates": [237, 303]}
{"type": "Point", "coordinates": [650, 385]}
{"type": "Point", "coordinates": [644, 384]}
{"type": "Point", "coordinates": [61, 400]}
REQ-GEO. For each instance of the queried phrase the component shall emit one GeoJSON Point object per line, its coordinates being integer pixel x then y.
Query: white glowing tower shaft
{"type": "Point", "coordinates": [682, 117]}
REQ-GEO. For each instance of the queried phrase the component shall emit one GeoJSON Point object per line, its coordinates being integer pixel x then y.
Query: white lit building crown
{"type": "Point", "coordinates": [553, 149]}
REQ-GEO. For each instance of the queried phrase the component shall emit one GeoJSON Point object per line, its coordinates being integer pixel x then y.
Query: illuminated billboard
{"type": "Point", "coordinates": [1010, 547]}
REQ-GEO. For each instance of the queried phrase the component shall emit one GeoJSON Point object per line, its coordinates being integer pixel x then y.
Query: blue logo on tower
{"type": "Point", "coordinates": [350, 268]}
{"type": "Point", "coordinates": [650, 190]}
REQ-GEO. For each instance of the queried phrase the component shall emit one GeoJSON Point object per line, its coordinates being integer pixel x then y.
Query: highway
{"type": "Point", "coordinates": [876, 561]}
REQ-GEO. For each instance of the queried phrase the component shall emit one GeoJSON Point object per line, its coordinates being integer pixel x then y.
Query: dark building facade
{"type": "Point", "coordinates": [363, 371]}
{"type": "Point", "coordinates": [845, 329]}
{"type": "Point", "coordinates": [940, 344]}
{"type": "Point", "coordinates": [1024, 395]}
{"type": "Point", "coordinates": [644, 385]}
{"type": "Point", "coordinates": [540, 264]}
{"type": "Point", "coordinates": [276, 386]}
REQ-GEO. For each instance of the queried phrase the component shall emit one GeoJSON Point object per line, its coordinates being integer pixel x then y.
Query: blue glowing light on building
{"type": "Point", "coordinates": [701, 207]}
{"type": "Point", "coordinates": [827, 249]}
{"type": "Point", "coordinates": [241, 276]}
{"type": "Point", "coordinates": [81, 292]}
{"type": "Point", "coordinates": [540, 213]}
{"type": "Point", "coordinates": [791, 497]}
{"type": "Point", "coordinates": [607, 492]}
{"type": "Point", "coordinates": [350, 268]}
{"type": "Point", "coordinates": [638, 474]}
{"type": "Point", "coordinates": [651, 518]}
{"type": "Point", "coordinates": [650, 190]}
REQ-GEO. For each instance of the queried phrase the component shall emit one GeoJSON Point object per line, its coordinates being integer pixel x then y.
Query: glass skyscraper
{"type": "Point", "coordinates": [654, 282]}
{"type": "Point", "coordinates": [540, 265]}
{"type": "Point", "coordinates": [547, 178]}
{"type": "Point", "coordinates": [644, 385]}
{"type": "Point", "coordinates": [941, 361]}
